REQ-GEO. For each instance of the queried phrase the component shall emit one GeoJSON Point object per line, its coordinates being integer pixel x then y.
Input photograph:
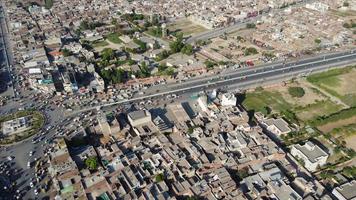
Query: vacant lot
{"type": "Point", "coordinates": [277, 98]}
{"type": "Point", "coordinates": [187, 27]}
{"type": "Point", "coordinates": [337, 124]}
{"type": "Point", "coordinates": [350, 142]}
{"type": "Point", "coordinates": [311, 96]}
{"type": "Point", "coordinates": [339, 83]}
{"type": "Point", "coordinates": [318, 109]}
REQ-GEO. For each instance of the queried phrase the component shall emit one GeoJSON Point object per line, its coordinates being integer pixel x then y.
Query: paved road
{"type": "Point", "coordinates": [243, 77]}
{"type": "Point", "coordinates": [5, 57]}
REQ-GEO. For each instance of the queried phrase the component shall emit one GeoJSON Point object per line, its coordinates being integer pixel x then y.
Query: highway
{"type": "Point", "coordinates": [5, 51]}
{"type": "Point", "coordinates": [243, 78]}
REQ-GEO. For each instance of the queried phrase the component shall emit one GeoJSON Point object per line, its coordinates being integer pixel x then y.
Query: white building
{"type": "Point", "coordinates": [228, 99]}
{"type": "Point", "coordinates": [318, 6]}
{"type": "Point", "coordinates": [277, 127]}
{"type": "Point", "coordinates": [312, 155]}
{"type": "Point", "coordinates": [137, 118]}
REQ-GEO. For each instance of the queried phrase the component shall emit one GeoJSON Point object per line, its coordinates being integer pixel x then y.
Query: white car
{"type": "Point", "coordinates": [31, 153]}
{"type": "Point", "coordinates": [10, 158]}
{"type": "Point", "coordinates": [36, 192]}
{"type": "Point", "coordinates": [28, 164]}
{"type": "Point", "coordinates": [31, 184]}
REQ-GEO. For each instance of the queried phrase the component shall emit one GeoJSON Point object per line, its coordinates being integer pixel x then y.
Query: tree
{"type": "Point", "coordinates": [250, 25]}
{"type": "Point", "coordinates": [91, 163]}
{"type": "Point", "coordinates": [159, 177]}
{"type": "Point", "coordinates": [107, 54]}
{"type": "Point", "coordinates": [317, 40]}
{"type": "Point", "coordinates": [296, 92]}
{"type": "Point", "coordinates": [145, 72]}
{"type": "Point", "coordinates": [210, 64]}
{"type": "Point", "coordinates": [250, 51]}
{"type": "Point", "coordinates": [177, 45]}
{"type": "Point", "coordinates": [66, 52]}
{"type": "Point", "coordinates": [113, 21]}
{"type": "Point", "coordinates": [163, 55]}
{"type": "Point", "coordinates": [187, 49]}
{"type": "Point", "coordinates": [48, 4]}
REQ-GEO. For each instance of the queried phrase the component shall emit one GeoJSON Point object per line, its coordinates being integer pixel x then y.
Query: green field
{"type": "Point", "coordinates": [99, 44]}
{"type": "Point", "coordinates": [337, 82]}
{"type": "Point", "coordinates": [315, 110]}
{"type": "Point", "coordinates": [114, 38]}
{"type": "Point", "coordinates": [258, 101]}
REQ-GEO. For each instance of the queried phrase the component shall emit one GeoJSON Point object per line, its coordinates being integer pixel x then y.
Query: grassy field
{"type": "Point", "coordinates": [318, 109]}
{"type": "Point", "coordinates": [309, 107]}
{"type": "Point", "coordinates": [99, 44]}
{"type": "Point", "coordinates": [186, 26]}
{"type": "Point", "coordinates": [258, 101]}
{"type": "Point", "coordinates": [114, 38]}
{"type": "Point", "coordinates": [338, 82]}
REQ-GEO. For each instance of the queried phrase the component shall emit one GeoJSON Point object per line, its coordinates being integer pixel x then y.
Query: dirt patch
{"type": "Point", "coordinates": [350, 142]}
{"type": "Point", "coordinates": [347, 83]}
{"type": "Point", "coordinates": [187, 27]}
{"type": "Point", "coordinates": [330, 126]}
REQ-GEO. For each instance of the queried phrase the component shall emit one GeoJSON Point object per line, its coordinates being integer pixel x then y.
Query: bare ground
{"type": "Point", "coordinates": [330, 126]}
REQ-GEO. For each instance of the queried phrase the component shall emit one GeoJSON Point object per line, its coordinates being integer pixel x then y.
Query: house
{"type": "Point", "coordinates": [312, 155]}
{"type": "Point", "coordinates": [277, 127]}
{"type": "Point", "coordinates": [346, 191]}
{"type": "Point", "coordinates": [141, 122]}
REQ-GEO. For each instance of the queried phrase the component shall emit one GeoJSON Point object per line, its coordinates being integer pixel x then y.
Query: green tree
{"type": "Point", "coordinates": [159, 177]}
{"type": "Point", "coordinates": [66, 52]}
{"type": "Point", "coordinates": [210, 64]}
{"type": "Point", "coordinates": [177, 45]}
{"type": "Point", "coordinates": [48, 4]}
{"type": "Point", "coordinates": [107, 54]}
{"type": "Point", "coordinates": [187, 49]}
{"type": "Point", "coordinates": [91, 163]}
{"type": "Point", "coordinates": [317, 41]}
{"type": "Point", "coordinates": [250, 51]}
{"type": "Point", "coordinates": [250, 25]}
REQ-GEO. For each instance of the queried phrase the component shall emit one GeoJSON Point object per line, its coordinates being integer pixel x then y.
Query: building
{"type": "Point", "coordinates": [346, 191]}
{"type": "Point", "coordinates": [15, 126]}
{"type": "Point", "coordinates": [311, 154]}
{"type": "Point", "coordinates": [141, 122]}
{"type": "Point", "coordinates": [228, 99]}
{"type": "Point", "coordinates": [277, 127]}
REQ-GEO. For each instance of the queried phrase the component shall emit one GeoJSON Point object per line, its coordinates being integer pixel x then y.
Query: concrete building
{"type": "Point", "coordinates": [277, 127]}
{"type": "Point", "coordinates": [312, 155]}
{"type": "Point", "coordinates": [346, 191]}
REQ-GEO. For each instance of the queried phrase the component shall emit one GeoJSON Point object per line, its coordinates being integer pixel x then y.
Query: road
{"type": "Point", "coordinates": [6, 57]}
{"type": "Point", "coordinates": [243, 78]}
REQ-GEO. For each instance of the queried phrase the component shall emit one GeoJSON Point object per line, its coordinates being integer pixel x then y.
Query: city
{"type": "Point", "coordinates": [133, 99]}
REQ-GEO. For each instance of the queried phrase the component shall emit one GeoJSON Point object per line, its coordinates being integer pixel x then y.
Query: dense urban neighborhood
{"type": "Point", "coordinates": [165, 99]}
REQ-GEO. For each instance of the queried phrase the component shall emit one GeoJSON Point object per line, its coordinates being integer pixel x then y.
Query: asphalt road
{"type": "Point", "coordinates": [247, 77]}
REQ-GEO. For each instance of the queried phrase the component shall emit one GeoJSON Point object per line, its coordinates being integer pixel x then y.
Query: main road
{"type": "Point", "coordinates": [243, 78]}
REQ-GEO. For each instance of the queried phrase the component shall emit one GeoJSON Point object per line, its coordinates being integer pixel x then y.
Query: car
{"type": "Point", "coordinates": [28, 164]}
{"type": "Point", "coordinates": [36, 192]}
{"type": "Point", "coordinates": [31, 184]}
{"type": "Point", "coordinates": [31, 153]}
{"type": "Point", "coordinates": [10, 158]}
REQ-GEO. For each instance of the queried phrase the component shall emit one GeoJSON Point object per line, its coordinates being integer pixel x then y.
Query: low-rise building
{"type": "Point", "coordinates": [311, 154]}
